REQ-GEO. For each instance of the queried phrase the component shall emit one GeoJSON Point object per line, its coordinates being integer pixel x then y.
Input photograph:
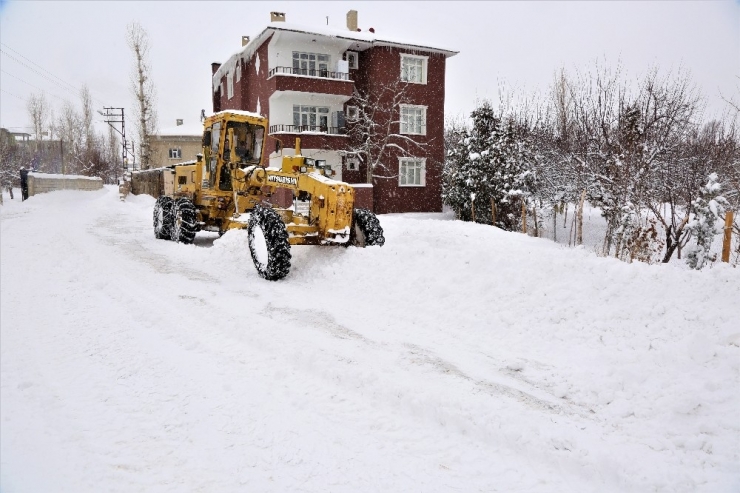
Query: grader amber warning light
{"type": "Point", "coordinates": [228, 185]}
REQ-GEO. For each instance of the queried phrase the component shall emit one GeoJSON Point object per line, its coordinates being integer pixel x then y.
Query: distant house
{"type": "Point", "coordinates": [176, 144]}
{"type": "Point", "coordinates": [304, 78]}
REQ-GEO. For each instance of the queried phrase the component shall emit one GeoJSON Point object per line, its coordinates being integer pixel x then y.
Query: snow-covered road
{"type": "Point", "coordinates": [457, 357]}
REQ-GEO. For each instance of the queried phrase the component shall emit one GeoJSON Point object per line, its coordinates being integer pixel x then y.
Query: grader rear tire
{"type": "Point", "coordinates": [268, 244]}
{"type": "Point", "coordinates": [366, 229]}
{"type": "Point", "coordinates": [163, 218]}
{"type": "Point", "coordinates": [185, 223]}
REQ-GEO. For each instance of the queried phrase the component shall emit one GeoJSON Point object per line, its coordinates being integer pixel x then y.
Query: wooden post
{"type": "Point", "coordinates": [729, 219]}
{"type": "Point", "coordinates": [524, 216]}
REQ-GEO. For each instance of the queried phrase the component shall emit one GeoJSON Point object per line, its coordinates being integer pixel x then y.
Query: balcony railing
{"type": "Point", "coordinates": [296, 129]}
{"type": "Point", "coordinates": [311, 73]}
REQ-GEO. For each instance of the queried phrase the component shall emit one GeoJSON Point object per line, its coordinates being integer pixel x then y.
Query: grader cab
{"type": "Point", "coordinates": [229, 187]}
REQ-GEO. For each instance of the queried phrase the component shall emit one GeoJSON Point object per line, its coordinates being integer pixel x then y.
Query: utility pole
{"type": "Point", "coordinates": [114, 116]}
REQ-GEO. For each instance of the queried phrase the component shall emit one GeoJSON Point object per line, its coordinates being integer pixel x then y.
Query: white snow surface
{"type": "Point", "coordinates": [457, 357]}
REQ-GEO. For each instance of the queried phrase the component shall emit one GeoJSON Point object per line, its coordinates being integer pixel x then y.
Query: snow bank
{"type": "Point", "coordinates": [455, 357]}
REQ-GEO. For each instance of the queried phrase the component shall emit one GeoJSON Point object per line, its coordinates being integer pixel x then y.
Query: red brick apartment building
{"type": "Point", "coordinates": [304, 80]}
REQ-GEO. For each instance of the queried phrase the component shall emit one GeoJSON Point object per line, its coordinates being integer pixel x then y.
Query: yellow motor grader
{"type": "Point", "coordinates": [229, 187]}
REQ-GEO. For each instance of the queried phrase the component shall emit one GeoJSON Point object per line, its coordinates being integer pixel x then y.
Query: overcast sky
{"type": "Point", "coordinates": [521, 44]}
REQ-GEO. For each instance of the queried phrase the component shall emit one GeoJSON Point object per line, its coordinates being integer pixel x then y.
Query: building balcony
{"type": "Point", "coordinates": [311, 129]}
{"type": "Point", "coordinates": [324, 74]}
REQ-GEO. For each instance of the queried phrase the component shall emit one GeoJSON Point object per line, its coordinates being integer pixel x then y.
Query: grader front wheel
{"type": "Point", "coordinates": [268, 243]}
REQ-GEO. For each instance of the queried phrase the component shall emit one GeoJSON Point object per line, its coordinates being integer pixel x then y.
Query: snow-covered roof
{"type": "Point", "coordinates": [372, 39]}
{"type": "Point", "coordinates": [194, 129]}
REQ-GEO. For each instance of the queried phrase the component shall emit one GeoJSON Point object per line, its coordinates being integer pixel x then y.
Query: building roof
{"type": "Point", "coordinates": [368, 39]}
{"type": "Point", "coordinates": [185, 130]}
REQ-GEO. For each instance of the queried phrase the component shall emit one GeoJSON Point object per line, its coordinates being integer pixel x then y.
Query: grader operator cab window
{"type": "Point", "coordinates": [248, 141]}
{"type": "Point", "coordinates": [215, 141]}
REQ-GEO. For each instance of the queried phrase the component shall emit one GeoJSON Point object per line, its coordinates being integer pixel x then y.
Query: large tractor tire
{"type": "Point", "coordinates": [185, 223]}
{"type": "Point", "coordinates": [163, 217]}
{"type": "Point", "coordinates": [268, 243]}
{"type": "Point", "coordinates": [366, 229]}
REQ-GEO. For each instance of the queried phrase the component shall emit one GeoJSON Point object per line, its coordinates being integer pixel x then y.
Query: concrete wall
{"type": "Point", "coordinates": [42, 183]}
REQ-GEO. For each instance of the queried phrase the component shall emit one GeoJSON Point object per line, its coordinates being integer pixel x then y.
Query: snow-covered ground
{"type": "Point", "coordinates": [457, 357]}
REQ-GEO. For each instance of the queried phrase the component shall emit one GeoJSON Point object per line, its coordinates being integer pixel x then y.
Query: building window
{"type": "Point", "coordinates": [230, 85]}
{"type": "Point", "coordinates": [311, 118]}
{"type": "Point", "coordinates": [413, 119]}
{"type": "Point", "coordinates": [353, 164]}
{"type": "Point", "coordinates": [352, 113]}
{"type": "Point", "coordinates": [175, 153]}
{"type": "Point", "coordinates": [414, 69]}
{"type": "Point", "coordinates": [314, 64]}
{"type": "Point", "coordinates": [411, 172]}
{"type": "Point", "coordinates": [351, 57]}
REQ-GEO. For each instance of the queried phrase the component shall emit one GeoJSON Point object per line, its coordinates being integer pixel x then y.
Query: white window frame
{"type": "Point", "coordinates": [319, 61]}
{"type": "Point", "coordinates": [353, 60]}
{"type": "Point", "coordinates": [230, 85]}
{"type": "Point", "coordinates": [406, 58]}
{"type": "Point", "coordinates": [352, 163]}
{"type": "Point", "coordinates": [353, 113]}
{"type": "Point", "coordinates": [238, 71]}
{"type": "Point", "coordinates": [175, 153]}
{"type": "Point", "coordinates": [312, 114]}
{"type": "Point", "coordinates": [404, 120]}
{"type": "Point", "coordinates": [418, 163]}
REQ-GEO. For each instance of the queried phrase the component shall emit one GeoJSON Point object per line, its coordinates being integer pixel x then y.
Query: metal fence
{"type": "Point", "coordinates": [326, 74]}
{"type": "Point", "coordinates": [308, 128]}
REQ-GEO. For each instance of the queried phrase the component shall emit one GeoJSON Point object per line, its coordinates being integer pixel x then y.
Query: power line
{"type": "Point", "coordinates": [39, 73]}
{"type": "Point", "coordinates": [6, 92]}
{"type": "Point", "coordinates": [26, 82]}
{"type": "Point", "coordinates": [69, 87]}
{"type": "Point", "coordinates": [39, 66]}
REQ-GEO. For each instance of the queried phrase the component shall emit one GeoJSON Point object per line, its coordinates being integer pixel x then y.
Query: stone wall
{"type": "Point", "coordinates": [42, 183]}
{"type": "Point", "coordinates": [149, 182]}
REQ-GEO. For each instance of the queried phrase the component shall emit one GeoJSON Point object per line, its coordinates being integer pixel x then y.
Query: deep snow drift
{"type": "Point", "coordinates": [457, 357]}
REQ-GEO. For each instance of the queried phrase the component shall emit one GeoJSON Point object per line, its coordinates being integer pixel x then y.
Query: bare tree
{"type": "Point", "coordinates": [376, 134]}
{"type": "Point", "coordinates": [143, 90]}
{"type": "Point", "coordinates": [12, 157]}
{"type": "Point", "coordinates": [38, 111]}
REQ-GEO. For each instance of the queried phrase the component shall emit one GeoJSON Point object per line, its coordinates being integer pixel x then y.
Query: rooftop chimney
{"type": "Point", "coordinates": [214, 67]}
{"type": "Point", "coordinates": [277, 16]}
{"type": "Point", "coordinates": [352, 20]}
{"type": "Point", "coordinates": [178, 121]}
{"type": "Point", "coordinates": [245, 40]}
